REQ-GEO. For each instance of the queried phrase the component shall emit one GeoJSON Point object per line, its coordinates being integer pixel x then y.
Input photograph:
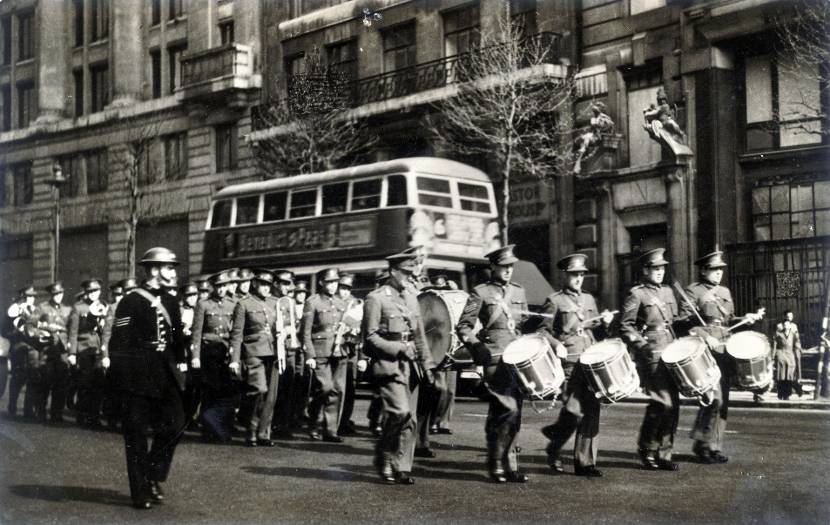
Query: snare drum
{"type": "Point", "coordinates": [440, 312]}
{"type": "Point", "coordinates": [611, 373]}
{"type": "Point", "coordinates": [751, 351]}
{"type": "Point", "coordinates": [692, 366]}
{"type": "Point", "coordinates": [536, 366]}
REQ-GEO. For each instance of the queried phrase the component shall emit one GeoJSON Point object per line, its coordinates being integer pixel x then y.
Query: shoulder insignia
{"type": "Point", "coordinates": [472, 306]}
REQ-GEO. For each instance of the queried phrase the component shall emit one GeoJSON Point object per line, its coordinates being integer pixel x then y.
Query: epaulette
{"type": "Point", "coordinates": [517, 285]}
{"type": "Point", "coordinates": [638, 286]}
{"type": "Point", "coordinates": [480, 287]}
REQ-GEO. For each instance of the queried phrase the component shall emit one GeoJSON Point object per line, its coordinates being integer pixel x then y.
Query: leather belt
{"type": "Point", "coordinates": [403, 337]}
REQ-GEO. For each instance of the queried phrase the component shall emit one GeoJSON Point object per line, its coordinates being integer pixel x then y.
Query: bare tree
{"type": "Point", "coordinates": [512, 105]}
{"type": "Point", "coordinates": [309, 130]}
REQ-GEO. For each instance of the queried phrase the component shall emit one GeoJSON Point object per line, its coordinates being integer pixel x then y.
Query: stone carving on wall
{"type": "Point", "coordinates": [659, 122]}
{"type": "Point", "coordinates": [600, 129]}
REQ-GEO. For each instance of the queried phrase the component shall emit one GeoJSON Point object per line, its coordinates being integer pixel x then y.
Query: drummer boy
{"type": "Point", "coordinates": [572, 316]}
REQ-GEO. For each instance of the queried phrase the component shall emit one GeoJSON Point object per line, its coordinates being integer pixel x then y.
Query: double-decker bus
{"type": "Point", "coordinates": [352, 218]}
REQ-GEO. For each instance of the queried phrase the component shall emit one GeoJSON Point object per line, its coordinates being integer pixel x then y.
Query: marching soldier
{"type": "Point", "coordinates": [375, 412]}
{"type": "Point", "coordinates": [713, 303]}
{"type": "Point", "coordinates": [148, 365]}
{"type": "Point", "coordinates": [304, 386]}
{"type": "Point", "coordinates": [396, 343]}
{"type": "Point", "coordinates": [252, 344]}
{"type": "Point", "coordinates": [498, 305]}
{"type": "Point", "coordinates": [211, 355]}
{"type": "Point", "coordinates": [21, 346]}
{"type": "Point", "coordinates": [189, 294]}
{"type": "Point", "coordinates": [243, 283]}
{"type": "Point", "coordinates": [571, 333]}
{"type": "Point", "coordinates": [325, 356]}
{"type": "Point", "coordinates": [291, 384]}
{"type": "Point", "coordinates": [204, 289]}
{"type": "Point", "coordinates": [649, 311]}
{"type": "Point", "coordinates": [86, 323]}
{"type": "Point", "coordinates": [51, 365]}
{"type": "Point", "coordinates": [351, 341]}
{"type": "Point", "coordinates": [233, 284]}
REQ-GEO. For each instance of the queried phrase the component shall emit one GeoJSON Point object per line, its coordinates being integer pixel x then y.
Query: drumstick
{"type": "Point", "coordinates": [538, 314]}
{"type": "Point", "coordinates": [745, 321]}
{"type": "Point", "coordinates": [597, 318]}
{"type": "Point", "coordinates": [689, 302]}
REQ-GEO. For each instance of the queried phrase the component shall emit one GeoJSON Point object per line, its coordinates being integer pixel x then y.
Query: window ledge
{"type": "Point", "coordinates": [782, 153]}
{"type": "Point", "coordinates": [25, 61]}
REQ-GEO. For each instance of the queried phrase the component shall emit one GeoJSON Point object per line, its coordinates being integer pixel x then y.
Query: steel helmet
{"type": "Point", "coordinates": [159, 255]}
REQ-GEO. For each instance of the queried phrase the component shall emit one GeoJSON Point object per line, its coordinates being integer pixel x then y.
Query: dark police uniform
{"type": "Point", "coordinates": [50, 366]}
{"type": "Point", "coordinates": [85, 343]}
{"type": "Point", "coordinates": [395, 341]}
{"type": "Point", "coordinates": [252, 343]}
{"type": "Point", "coordinates": [322, 316]}
{"type": "Point", "coordinates": [146, 349]}
{"type": "Point", "coordinates": [498, 306]}
{"type": "Point", "coordinates": [211, 335]}
{"type": "Point", "coordinates": [649, 311]}
{"type": "Point", "coordinates": [569, 310]}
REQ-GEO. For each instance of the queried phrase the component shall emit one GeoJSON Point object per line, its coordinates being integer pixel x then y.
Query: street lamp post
{"type": "Point", "coordinates": [57, 181]}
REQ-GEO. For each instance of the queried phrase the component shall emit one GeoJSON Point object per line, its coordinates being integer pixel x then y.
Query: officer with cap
{"type": "Point", "coordinates": [204, 289]}
{"type": "Point", "coordinates": [325, 356]}
{"type": "Point", "coordinates": [395, 340]}
{"type": "Point", "coordinates": [713, 302]}
{"type": "Point", "coordinates": [188, 297]}
{"type": "Point", "coordinates": [350, 329]}
{"type": "Point", "coordinates": [252, 345]}
{"type": "Point", "coordinates": [112, 407]}
{"type": "Point", "coordinates": [499, 305]}
{"type": "Point", "coordinates": [210, 354]}
{"type": "Point", "coordinates": [375, 412]}
{"type": "Point", "coordinates": [21, 345]}
{"type": "Point", "coordinates": [243, 280]}
{"type": "Point", "coordinates": [649, 312]}
{"type": "Point", "coordinates": [418, 280]}
{"type": "Point", "coordinates": [288, 344]}
{"type": "Point", "coordinates": [572, 318]}
{"type": "Point", "coordinates": [51, 371]}
{"type": "Point", "coordinates": [86, 323]}
{"type": "Point", "coordinates": [233, 284]}
{"type": "Point", "coordinates": [147, 370]}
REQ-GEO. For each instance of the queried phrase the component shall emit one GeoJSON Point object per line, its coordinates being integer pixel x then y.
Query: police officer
{"type": "Point", "coordinates": [573, 314]}
{"type": "Point", "coordinates": [86, 323]}
{"type": "Point", "coordinates": [112, 405]}
{"type": "Point", "coordinates": [147, 370]}
{"type": "Point", "coordinates": [189, 295]}
{"type": "Point", "coordinates": [351, 341]}
{"type": "Point", "coordinates": [21, 345]}
{"type": "Point", "coordinates": [252, 344]}
{"type": "Point", "coordinates": [713, 302]}
{"type": "Point", "coordinates": [401, 361]}
{"type": "Point", "coordinates": [325, 356]}
{"type": "Point", "coordinates": [210, 350]}
{"type": "Point", "coordinates": [291, 385]}
{"type": "Point", "coordinates": [649, 312]}
{"type": "Point", "coordinates": [498, 305]}
{"type": "Point", "coordinates": [51, 367]}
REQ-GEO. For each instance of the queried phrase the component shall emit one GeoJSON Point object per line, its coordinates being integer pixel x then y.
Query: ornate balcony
{"type": "Point", "coordinates": [223, 73]}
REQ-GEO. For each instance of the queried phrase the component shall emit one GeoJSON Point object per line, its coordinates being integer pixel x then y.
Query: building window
{"type": "Point", "coordinates": [155, 65]}
{"type": "Point", "coordinates": [461, 30]}
{"type": "Point", "coordinates": [642, 85]}
{"type": "Point", "coordinates": [294, 66]}
{"type": "Point", "coordinates": [7, 107]}
{"type": "Point", "coordinates": [174, 62]}
{"type": "Point", "coordinates": [226, 147]}
{"type": "Point", "coordinates": [97, 170]}
{"type": "Point", "coordinates": [26, 105]}
{"type": "Point", "coordinates": [78, 21]}
{"type": "Point", "coordinates": [23, 185]}
{"type": "Point", "coordinates": [641, 6]}
{"type": "Point", "coordinates": [100, 21]}
{"type": "Point", "coordinates": [6, 28]}
{"type": "Point", "coordinates": [783, 103]}
{"type": "Point", "coordinates": [399, 47]}
{"type": "Point", "coordinates": [25, 35]}
{"type": "Point", "coordinates": [78, 81]}
{"type": "Point", "coordinates": [342, 59]}
{"type": "Point", "coordinates": [15, 249]}
{"type": "Point", "coordinates": [788, 211]}
{"type": "Point", "coordinates": [175, 156]}
{"type": "Point", "coordinates": [71, 166]}
{"type": "Point", "coordinates": [226, 35]}
{"type": "Point", "coordinates": [176, 9]}
{"type": "Point", "coordinates": [155, 12]}
{"type": "Point", "coordinates": [523, 17]}
{"type": "Point", "coordinates": [100, 87]}
{"type": "Point", "coordinates": [146, 165]}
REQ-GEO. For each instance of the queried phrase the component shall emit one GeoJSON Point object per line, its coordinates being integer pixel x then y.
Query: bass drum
{"type": "Point", "coordinates": [440, 312]}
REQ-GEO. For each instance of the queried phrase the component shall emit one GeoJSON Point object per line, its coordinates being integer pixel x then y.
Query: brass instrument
{"type": "Point", "coordinates": [19, 313]}
{"type": "Point", "coordinates": [98, 309]}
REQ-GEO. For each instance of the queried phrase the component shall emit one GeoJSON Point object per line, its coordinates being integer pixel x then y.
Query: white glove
{"type": "Point", "coordinates": [561, 351]}
{"type": "Point", "coordinates": [105, 362]}
{"type": "Point", "coordinates": [311, 363]}
{"type": "Point", "coordinates": [73, 359]}
{"type": "Point", "coordinates": [234, 366]}
{"type": "Point", "coordinates": [195, 363]}
{"type": "Point", "coordinates": [607, 317]}
{"type": "Point", "coordinates": [362, 364]}
{"type": "Point", "coordinates": [182, 367]}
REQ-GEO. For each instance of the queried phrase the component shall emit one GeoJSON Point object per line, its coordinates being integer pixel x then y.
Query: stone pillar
{"type": "Point", "coordinates": [126, 52]}
{"type": "Point", "coordinates": [681, 229]}
{"type": "Point", "coordinates": [52, 62]}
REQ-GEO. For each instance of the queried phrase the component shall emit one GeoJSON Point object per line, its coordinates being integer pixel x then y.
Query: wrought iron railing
{"type": "Point", "coordinates": [226, 61]}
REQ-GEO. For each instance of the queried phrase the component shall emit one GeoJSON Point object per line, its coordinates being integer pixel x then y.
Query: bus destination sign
{"type": "Point", "coordinates": [309, 236]}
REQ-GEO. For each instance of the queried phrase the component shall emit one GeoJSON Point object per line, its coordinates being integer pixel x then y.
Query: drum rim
{"type": "Point", "coordinates": [699, 344]}
{"type": "Point", "coordinates": [620, 349]}
{"type": "Point", "coordinates": [544, 347]}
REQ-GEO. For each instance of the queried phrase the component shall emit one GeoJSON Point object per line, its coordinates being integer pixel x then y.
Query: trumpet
{"type": "Point", "coordinates": [98, 309]}
{"type": "Point", "coordinates": [20, 309]}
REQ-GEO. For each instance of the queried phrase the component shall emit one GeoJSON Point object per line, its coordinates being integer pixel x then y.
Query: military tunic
{"type": "Point", "coordinates": [85, 343]}
{"type": "Point", "coordinates": [649, 312]}
{"type": "Point", "coordinates": [291, 387]}
{"type": "Point", "coordinates": [499, 308]}
{"type": "Point", "coordinates": [49, 366]}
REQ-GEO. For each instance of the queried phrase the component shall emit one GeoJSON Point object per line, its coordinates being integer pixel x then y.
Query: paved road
{"type": "Point", "coordinates": [776, 475]}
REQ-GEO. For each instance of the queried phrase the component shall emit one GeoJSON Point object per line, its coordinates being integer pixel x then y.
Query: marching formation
{"type": "Point", "coordinates": [250, 348]}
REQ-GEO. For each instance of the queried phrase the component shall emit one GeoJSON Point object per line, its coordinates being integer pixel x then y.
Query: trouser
{"type": "Point", "coordinates": [349, 387]}
{"type": "Point", "coordinates": [51, 381]}
{"type": "Point", "coordinates": [710, 424]}
{"type": "Point", "coordinates": [663, 410]}
{"type": "Point", "coordinates": [375, 412]}
{"type": "Point", "coordinates": [504, 418]}
{"type": "Point", "coordinates": [430, 396]}
{"type": "Point", "coordinates": [446, 403]}
{"type": "Point", "coordinates": [192, 396]}
{"type": "Point", "coordinates": [217, 413]}
{"type": "Point", "coordinates": [580, 414]}
{"type": "Point", "coordinates": [396, 444]}
{"type": "Point", "coordinates": [291, 387]}
{"type": "Point", "coordinates": [91, 387]}
{"type": "Point", "coordinates": [165, 417]}
{"type": "Point", "coordinates": [327, 393]}
{"type": "Point", "coordinates": [73, 383]}
{"type": "Point", "coordinates": [18, 376]}
{"type": "Point", "coordinates": [259, 402]}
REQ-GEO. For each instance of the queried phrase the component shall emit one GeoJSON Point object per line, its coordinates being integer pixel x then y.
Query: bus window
{"type": "Point", "coordinates": [274, 206]}
{"type": "Point", "coordinates": [396, 190]}
{"type": "Point", "coordinates": [366, 194]}
{"type": "Point", "coordinates": [303, 203]}
{"type": "Point", "coordinates": [221, 214]}
{"type": "Point", "coordinates": [434, 192]}
{"type": "Point", "coordinates": [247, 209]}
{"type": "Point", "coordinates": [474, 197]}
{"type": "Point", "coordinates": [334, 197]}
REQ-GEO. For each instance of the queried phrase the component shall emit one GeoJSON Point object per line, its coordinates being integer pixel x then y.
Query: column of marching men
{"type": "Point", "coordinates": [252, 351]}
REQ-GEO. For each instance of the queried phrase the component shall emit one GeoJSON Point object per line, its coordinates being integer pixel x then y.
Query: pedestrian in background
{"type": "Point", "coordinates": [787, 351]}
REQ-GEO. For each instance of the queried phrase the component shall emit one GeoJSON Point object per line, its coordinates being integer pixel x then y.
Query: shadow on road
{"type": "Point", "coordinates": [61, 493]}
{"type": "Point", "coordinates": [325, 448]}
{"type": "Point", "coordinates": [338, 473]}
